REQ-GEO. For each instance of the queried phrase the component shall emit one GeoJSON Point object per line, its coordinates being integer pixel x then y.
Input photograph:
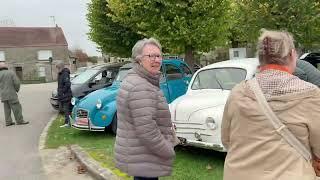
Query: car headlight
{"type": "Point", "coordinates": [99, 104]}
{"type": "Point", "coordinates": [211, 123]}
{"type": "Point", "coordinates": [73, 101]}
{"type": "Point", "coordinates": [54, 93]}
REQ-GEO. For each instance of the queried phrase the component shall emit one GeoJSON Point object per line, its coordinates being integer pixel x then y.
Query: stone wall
{"type": "Point", "coordinates": [32, 68]}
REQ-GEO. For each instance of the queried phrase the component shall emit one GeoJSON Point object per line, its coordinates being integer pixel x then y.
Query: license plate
{"type": "Point", "coordinates": [82, 121]}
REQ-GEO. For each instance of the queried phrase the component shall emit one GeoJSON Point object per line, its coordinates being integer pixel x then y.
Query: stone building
{"type": "Point", "coordinates": [28, 50]}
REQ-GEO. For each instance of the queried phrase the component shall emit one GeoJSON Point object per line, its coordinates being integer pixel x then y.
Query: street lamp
{"type": "Point", "coordinates": [50, 61]}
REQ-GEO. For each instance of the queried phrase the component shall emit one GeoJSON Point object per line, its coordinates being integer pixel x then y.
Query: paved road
{"type": "Point", "coordinates": [59, 164]}
{"type": "Point", "coordinates": [19, 154]}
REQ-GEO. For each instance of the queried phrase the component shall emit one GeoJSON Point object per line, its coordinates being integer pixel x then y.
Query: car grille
{"type": "Point", "coordinates": [82, 113]}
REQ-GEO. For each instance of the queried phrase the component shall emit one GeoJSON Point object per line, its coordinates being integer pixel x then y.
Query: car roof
{"type": "Point", "coordinates": [173, 61]}
{"type": "Point", "coordinates": [312, 54]}
{"type": "Point", "coordinates": [166, 61]}
{"type": "Point", "coordinates": [246, 63]}
{"type": "Point", "coordinates": [108, 65]}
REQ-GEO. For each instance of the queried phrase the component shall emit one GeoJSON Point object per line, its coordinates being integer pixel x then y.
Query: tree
{"type": "Point", "coordinates": [93, 59]}
{"type": "Point", "coordinates": [182, 26]}
{"type": "Point", "coordinates": [80, 55]}
{"type": "Point", "coordinates": [111, 37]}
{"type": "Point", "coordinates": [299, 17]}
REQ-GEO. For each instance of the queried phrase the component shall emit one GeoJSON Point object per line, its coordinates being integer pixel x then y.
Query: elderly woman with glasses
{"type": "Point", "coordinates": [144, 146]}
{"type": "Point", "coordinates": [256, 149]}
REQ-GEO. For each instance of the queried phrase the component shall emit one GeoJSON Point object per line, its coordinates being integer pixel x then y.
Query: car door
{"type": "Point", "coordinates": [187, 75]}
{"type": "Point", "coordinates": [163, 84]}
{"type": "Point", "coordinates": [174, 81]}
{"type": "Point", "coordinates": [100, 80]}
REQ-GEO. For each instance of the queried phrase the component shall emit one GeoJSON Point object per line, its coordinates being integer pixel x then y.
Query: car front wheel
{"type": "Point", "coordinates": [114, 124]}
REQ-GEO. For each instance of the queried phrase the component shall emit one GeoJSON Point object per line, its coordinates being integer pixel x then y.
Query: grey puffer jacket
{"type": "Point", "coordinates": [144, 143]}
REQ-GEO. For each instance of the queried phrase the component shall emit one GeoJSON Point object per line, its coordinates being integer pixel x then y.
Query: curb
{"type": "Point", "coordinates": [43, 136]}
{"type": "Point", "coordinates": [91, 165]}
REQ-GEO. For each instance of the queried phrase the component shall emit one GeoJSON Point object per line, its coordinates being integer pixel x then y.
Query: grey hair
{"type": "Point", "coordinates": [3, 65]}
{"type": "Point", "coordinates": [60, 65]}
{"type": "Point", "coordinates": [274, 47]}
{"type": "Point", "coordinates": [138, 47]}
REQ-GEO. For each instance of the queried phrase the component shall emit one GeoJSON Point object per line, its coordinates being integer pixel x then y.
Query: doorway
{"type": "Point", "coordinates": [19, 72]}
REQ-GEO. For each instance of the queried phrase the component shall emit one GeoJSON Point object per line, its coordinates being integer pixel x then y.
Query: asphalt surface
{"type": "Point", "coordinates": [19, 153]}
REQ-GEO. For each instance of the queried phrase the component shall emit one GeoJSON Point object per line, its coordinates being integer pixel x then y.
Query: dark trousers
{"type": "Point", "coordinates": [145, 178]}
{"type": "Point", "coordinates": [65, 107]}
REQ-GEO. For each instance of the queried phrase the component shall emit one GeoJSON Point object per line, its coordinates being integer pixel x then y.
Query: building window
{"type": "Point", "coordinates": [42, 72]}
{"type": "Point", "coordinates": [2, 56]}
{"type": "Point", "coordinates": [235, 53]}
{"type": "Point", "coordinates": [43, 55]}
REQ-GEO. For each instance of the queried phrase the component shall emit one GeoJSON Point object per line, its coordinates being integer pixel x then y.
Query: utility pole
{"type": "Point", "coordinates": [53, 20]}
{"type": "Point", "coordinates": [7, 22]}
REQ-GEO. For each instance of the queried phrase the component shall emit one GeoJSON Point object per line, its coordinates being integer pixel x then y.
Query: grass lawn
{"type": "Point", "coordinates": [190, 163]}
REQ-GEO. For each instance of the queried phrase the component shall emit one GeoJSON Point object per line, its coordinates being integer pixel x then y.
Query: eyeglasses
{"type": "Point", "coordinates": [153, 56]}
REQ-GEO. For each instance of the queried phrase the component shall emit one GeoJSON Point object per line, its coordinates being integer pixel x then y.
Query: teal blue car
{"type": "Point", "coordinates": [97, 111]}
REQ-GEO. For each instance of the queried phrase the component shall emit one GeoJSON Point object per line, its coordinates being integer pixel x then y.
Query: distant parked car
{"type": "Point", "coordinates": [96, 77]}
{"type": "Point", "coordinates": [97, 110]}
{"type": "Point", "coordinates": [197, 115]}
{"type": "Point", "coordinates": [78, 71]}
{"type": "Point", "coordinates": [313, 58]}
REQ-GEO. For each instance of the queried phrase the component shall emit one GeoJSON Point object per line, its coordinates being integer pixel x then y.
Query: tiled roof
{"type": "Point", "coordinates": [31, 37]}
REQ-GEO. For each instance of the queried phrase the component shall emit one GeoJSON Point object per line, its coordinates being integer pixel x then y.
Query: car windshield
{"type": "Point", "coordinates": [218, 78]}
{"type": "Point", "coordinates": [84, 76]}
{"type": "Point", "coordinates": [80, 70]}
{"type": "Point", "coordinates": [122, 74]}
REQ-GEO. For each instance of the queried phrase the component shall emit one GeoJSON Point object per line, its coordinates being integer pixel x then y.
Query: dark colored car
{"type": "Point", "coordinates": [79, 71]}
{"type": "Point", "coordinates": [95, 77]}
{"type": "Point", "coordinates": [313, 58]}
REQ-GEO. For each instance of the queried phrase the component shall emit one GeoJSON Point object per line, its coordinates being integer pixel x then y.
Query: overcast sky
{"type": "Point", "coordinates": [69, 14]}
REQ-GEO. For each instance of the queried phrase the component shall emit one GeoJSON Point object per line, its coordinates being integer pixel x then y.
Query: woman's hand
{"type": "Point", "coordinates": [316, 165]}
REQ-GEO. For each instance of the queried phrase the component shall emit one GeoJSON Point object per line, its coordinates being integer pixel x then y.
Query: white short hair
{"type": "Point", "coordinates": [60, 65]}
{"type": "Point", "coordinates": [138, 47]}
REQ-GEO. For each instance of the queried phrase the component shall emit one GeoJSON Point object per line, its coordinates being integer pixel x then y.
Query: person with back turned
{"type": "Point", "coordinates": [9, 86]}
{"type": "Point", "coordinates": [270, 125]}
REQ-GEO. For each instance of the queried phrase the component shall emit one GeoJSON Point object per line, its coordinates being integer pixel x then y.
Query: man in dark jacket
{"type": "Point", "coordinates": [9, 86]}
{"type": "Point", "coordinates": [64, 91]}
{"type": "Point", "coordinates": [307, 72]}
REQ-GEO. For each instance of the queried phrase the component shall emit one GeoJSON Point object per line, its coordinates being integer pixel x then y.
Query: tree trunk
{"type": "Point", "coordinates": [189, 56]}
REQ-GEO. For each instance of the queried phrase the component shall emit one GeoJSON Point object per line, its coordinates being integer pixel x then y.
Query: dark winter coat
{"type": "Point", "coordinates": [9, 84]}
{"type": "Point", "coordinates": [144, 142]}
{"type": "Point", "coordinates": [64, 86]}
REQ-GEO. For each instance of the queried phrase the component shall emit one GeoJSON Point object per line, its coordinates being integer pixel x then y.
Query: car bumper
{"type": "Point", "coordinates": [201, 144]}
{"type": "Point", "coordinates": [85, 126]}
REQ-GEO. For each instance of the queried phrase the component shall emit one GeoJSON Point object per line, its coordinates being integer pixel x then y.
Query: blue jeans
{"type": "Point", "coordinates": [145, 178]}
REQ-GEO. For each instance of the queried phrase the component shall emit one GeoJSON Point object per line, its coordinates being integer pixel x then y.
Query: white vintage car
{"type": "Point", "coordinates": [197, 115]}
